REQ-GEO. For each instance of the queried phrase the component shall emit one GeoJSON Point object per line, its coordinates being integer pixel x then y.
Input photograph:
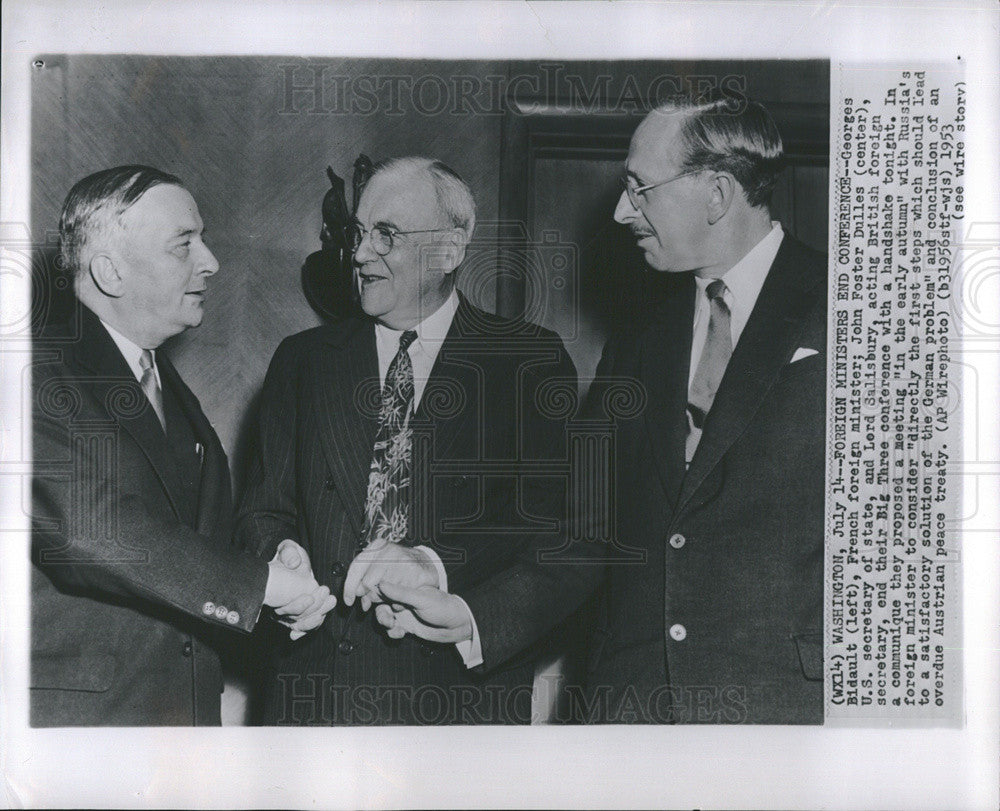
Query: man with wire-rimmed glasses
{"type": "Point", "coordinates": [390, 447]}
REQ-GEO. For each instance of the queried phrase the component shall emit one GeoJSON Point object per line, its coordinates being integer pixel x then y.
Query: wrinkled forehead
{"type": "Point", "coordinates": [404, 199]}
{"type": "Point", "coordinates": [655, 150]}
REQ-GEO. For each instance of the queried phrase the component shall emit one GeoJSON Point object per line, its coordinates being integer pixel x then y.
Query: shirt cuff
{"type": "Point", "coordinates": [438, 566]}
{"type": "Point", "coordinates": [471, 650]}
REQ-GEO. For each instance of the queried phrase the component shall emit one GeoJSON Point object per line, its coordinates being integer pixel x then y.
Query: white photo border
{"type": "Point", "coordinates": [776, 767]}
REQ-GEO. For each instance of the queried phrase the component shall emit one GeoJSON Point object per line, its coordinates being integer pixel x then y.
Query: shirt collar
{"type": "Point", "coordinates": [130, 350]}
{"type": "Point", "coordinates": [431, 331]}
{"type": "Point", "coordinates": [745, 279]}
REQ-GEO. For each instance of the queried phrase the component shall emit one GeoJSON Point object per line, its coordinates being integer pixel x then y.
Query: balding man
{"type": "Point", "coordinates": [400, 440]}
{"type": "Point", "coordinates": [134, 573]}
{"type": "Point", "coordinates": [720, 480]}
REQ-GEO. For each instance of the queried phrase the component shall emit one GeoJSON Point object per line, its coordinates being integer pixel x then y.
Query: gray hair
{"type": "Point", "coordinates": [734, 135]}
{"type": "Point", "coordinates": [453, 194]}
{"type": "Point", "coordinates": [97, 200]}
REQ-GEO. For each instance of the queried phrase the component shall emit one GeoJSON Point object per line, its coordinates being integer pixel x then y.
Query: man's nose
{"type": "Point", "coordinates": [207, 264]}
{"type": "Point", "coordinates": [625, 212]}
{"type": "Point", "coordinates": [365, 253]}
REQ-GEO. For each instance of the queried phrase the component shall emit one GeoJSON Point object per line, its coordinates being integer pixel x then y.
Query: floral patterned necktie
{"type": "Point", "coordinates": [387, 510]}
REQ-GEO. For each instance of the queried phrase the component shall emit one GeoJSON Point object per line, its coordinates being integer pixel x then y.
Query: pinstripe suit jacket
{"type": "Point", "coordinates": [477, 432]}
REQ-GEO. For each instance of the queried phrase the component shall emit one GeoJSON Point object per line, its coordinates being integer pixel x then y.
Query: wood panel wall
{"type": "Point", "coordinates": [254, 158]}
{"type": "Point", "coordinates": [251, 139]}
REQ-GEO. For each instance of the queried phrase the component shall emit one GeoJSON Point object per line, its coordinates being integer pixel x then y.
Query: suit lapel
{"type": "Point", "coordinates": [123, 399]}
{"type": "Point", "coordinates": [666, 353]}
{"type": "Point", "coordinates": [213, 471]}
{"type": "Point", "coordinates": [348, 392]}
{"type": "Point", "coordinates": [766, 345]}
{"type": "Point", "coordinates": [455, 378]}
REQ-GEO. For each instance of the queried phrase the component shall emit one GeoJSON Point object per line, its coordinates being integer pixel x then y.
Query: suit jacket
{"type": "Point", "coordinates": [127, 590]}
{"type": "Point", "coordinates": [478, 432]}
{"type": "Point", "coordinates": [713, 604]}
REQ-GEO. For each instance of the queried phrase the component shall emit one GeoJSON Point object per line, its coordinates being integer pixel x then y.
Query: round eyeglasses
{"type": "Point", "coordinates": [381, 235]}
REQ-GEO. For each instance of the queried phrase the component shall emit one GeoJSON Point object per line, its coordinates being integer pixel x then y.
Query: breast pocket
{"type": "Point", "coordinates": [812, 365]}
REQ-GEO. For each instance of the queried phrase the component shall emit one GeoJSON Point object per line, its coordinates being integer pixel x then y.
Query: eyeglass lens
{"type": "Point", "coordinates": [381, 238]}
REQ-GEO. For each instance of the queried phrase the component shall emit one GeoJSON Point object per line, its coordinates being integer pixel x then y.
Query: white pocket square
{"type": "Point", "coordinates": [803, 352]}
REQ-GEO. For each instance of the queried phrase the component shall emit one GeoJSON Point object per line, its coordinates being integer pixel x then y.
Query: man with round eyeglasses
{"type": "Point", "coordinates": [388, 447]}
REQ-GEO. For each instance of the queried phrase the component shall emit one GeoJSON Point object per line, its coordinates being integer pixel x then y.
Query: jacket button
{"type": "Point", "coordinates": [678, 632]}
{"type": "Point", "coordinates": [330, 484]}
{"type": "Point", "coordinates": [338, 569]}
{"type": "Point", "coordinates": [187, 649]}
{"type": "Point", "coordinates": [677, 540]}
{"type": "Point", "coordinates": [220, 612]}
{"type": "Point", "coordinates": [208, 609]}
{"type": "Point", "coordinates": [233, 617]}
{"type": "Point", "coordinates": [345, 646]}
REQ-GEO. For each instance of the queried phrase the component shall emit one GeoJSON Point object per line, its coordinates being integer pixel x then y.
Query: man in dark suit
{"type": "Point", "coordinates": [390, 442]}
{"type": "Point", "coordinates": [720, 479]}
{"type": "Point", "coordinates": [133, 568]}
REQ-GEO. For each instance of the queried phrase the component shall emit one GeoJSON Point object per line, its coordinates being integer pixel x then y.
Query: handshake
{"type": "Point", "coordinates": [298, 600]}
{"type": "Point", "coordinates": [403, 581]}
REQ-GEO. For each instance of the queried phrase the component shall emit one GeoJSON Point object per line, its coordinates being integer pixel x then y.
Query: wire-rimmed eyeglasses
{"type": "Point", "coordinates": [382, 236]}
{"type": "Point", "coordinates": [634, 192]}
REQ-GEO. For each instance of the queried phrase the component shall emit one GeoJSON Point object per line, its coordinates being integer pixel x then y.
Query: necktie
{"type": "Point", "coordinates": [711, 367]}
{"type": "Point", "coordinates": [387, 509]}
{"type": "Point", "coordinates": [150, 387]}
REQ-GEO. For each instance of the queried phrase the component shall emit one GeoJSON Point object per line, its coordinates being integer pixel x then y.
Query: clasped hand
{"type": "Point", "coordinates": [426, 612]}
{"type": "Point", "coordinates": [386, 563]}
{"type": "Point", "coordinates": [404, 582]}
{"type": "Point", "coordinates": [293, 592]}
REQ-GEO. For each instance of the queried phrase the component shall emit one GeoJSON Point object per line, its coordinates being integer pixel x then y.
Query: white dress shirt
{"type": "Point", "coordinates": [132, 353]}
{"type": "Point", "coordinates": [431, 333]}
{"type": "Point", "coordinates": [743, 283]}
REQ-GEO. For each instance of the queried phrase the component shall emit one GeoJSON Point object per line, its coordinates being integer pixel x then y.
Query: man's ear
{"type": "Point", "coordinates": [722, 192]}
{"type": "Point", "coordinates": [106, 276]}
{"type": "Point", "coordinates": [451, 249]}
